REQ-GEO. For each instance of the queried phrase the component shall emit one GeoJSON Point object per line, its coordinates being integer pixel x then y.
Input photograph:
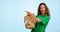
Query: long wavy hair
{"type": "Point", "coordinates": [46, 9]}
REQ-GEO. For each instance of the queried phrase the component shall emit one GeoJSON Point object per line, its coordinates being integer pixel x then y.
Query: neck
{"type": "Point", "coordinates": [43, 14]}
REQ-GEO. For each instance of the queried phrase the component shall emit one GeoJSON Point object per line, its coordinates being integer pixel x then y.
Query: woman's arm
{"type": "Point", "coordinates": [38, 20]}
{"type": "Point", "coordinates": [34, 17]}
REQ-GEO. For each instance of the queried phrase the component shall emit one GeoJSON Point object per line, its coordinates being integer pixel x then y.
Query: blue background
{"type": "Point", "coordinates": [12, 14]}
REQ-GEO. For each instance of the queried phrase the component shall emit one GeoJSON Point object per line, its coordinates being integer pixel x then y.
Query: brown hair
{"type": "Point", "coordinates": [46, 11]}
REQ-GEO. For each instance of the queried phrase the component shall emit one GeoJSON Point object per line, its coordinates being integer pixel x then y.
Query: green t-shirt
{"type": "Point", "coordinates": [40, 26]}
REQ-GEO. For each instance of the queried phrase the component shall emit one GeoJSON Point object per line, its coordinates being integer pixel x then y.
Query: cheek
{"type": "Point", "coordinates": [42, 10]}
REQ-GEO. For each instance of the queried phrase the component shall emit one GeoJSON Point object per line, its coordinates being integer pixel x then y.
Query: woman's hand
{"type": "Point", "coordinates": [33, 16]}
{"type": "Point", "coordinates": [36, 19]}
{"type": "Point", "coordinates": [28, 13]}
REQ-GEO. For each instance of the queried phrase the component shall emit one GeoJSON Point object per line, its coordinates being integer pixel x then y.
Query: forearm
{"type": "Point", "coordinates": [33, 16]}
{"type": "Point", "coordinates": [36, 19]}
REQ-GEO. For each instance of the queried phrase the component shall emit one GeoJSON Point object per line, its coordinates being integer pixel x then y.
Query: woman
{"type": "Point", "coordinates": [42, 18]}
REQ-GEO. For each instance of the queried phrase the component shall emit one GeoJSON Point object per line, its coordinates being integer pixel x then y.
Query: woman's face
{"type": "Point", "coordinates": [42, 9]}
